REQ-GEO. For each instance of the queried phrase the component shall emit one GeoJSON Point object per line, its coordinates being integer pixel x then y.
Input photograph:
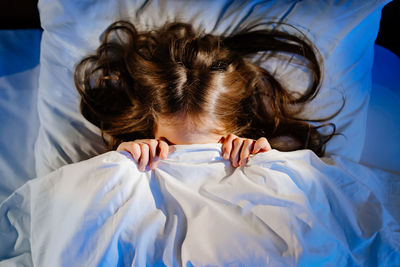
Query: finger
{"type": "Point", "coordinates": [247, 147]}
{"type": "Point", "coordinates": [261, 145]}
{"type": "Point", "coordinates": [237, 146]}
{"type": "Point", "coordinates": [144, 158]}
{"type": "Point", "coordinates": [135, 151]}
{"type": "Point", "coordinates": [163, 149]}
{"type": "Point", "coordinates": [227, 145]}
{"type": "Point", "coordinates": [153, 145]}
{"type": "Point", "coordinates": [131, 147]}
{"type": "Point", "coordinates": [125, 146]}
{"type": "Point", "coordinates": [121, 147]}
{"type": "Point", "coordinates": [161, 153]}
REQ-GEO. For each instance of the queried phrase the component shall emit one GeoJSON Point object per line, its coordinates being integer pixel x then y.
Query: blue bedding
{"type": "Point", "coordinates": [281, 209]}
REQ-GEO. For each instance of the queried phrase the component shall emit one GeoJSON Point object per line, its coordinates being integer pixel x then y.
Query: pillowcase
{"type": "Point", "coordinates": [344, 33]}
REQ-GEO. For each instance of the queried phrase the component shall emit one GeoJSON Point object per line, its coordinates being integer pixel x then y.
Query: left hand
{"type": "Point", "coordinates": [238, 149]}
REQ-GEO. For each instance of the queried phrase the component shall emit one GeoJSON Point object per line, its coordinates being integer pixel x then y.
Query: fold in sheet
{"type": "Point", "coordinates": [281, 209]}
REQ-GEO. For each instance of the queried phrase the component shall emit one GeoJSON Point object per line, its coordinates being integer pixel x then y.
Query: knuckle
{"type": "Point", "coordinates": [133, 145]}
{"type": "Point", "coordinates": [230, 137]}
{"type": "Point", "coordinates": [163, 143]}
{"type": "Point", "coordinates": [153, 142]}
{"type": "Point", "coordinates": [226, 145]}
{"type": "Point", "coordinates": [120, 147]}
{"type": "Point", "coordinates": [248, 141]}
{"type": "Point", "coordinates": [265, 142]}
{"type": "Point", "coordinates": [237, 141]}
{"type": "Point", "coordinates": [145, 147]}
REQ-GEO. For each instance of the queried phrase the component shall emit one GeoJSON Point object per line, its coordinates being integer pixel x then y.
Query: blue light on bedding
{"type": "Point", "coordinates": [19, 50]}
{"type": "Point", "coordinates": [19, 72]}
{"type": "Point", "coordinates": [281, 209]}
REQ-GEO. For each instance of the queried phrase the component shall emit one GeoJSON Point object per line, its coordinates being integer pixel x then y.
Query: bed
{"type": "Point", "coordinates": [341, 210]}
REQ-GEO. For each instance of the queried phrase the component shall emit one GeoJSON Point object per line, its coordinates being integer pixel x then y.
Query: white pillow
{"type": "Point", "coordinates": [344, 32]}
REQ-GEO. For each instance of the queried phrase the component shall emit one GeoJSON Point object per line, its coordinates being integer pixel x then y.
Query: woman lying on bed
{"type": "Point", "coordinates": [145, 90]}
{"type": "Point", "coordinates": [148, 90]}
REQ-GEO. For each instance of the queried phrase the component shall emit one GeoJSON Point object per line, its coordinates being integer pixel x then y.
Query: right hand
{"type": "Point", "coordinates": [146, 152]}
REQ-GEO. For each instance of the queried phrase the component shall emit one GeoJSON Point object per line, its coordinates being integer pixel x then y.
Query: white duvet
{"type": "Point", "coordinates": [282, 209]}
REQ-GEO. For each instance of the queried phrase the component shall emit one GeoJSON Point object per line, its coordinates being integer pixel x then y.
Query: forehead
{"type": "Point", "coordinates": [188, 124]}
{"type": "Point", "coordinates": [180, 121]}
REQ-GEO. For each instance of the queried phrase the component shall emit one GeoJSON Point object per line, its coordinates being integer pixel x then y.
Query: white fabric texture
{"type": "Point", "coordinates": [382, 145]}
{"type": "Point", "coordinates": [19, 120]}
{"type": "Point", "coordinates": [281, 209]}
{"type": "Point", "coordinates": [344, 32]}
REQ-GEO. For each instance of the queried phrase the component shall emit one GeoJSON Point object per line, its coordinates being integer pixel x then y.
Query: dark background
{"type": "Point", "coordinates": [23, 14]}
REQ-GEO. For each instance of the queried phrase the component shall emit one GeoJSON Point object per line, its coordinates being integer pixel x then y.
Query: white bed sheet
{"type": "Point", "coordinates": [382, 140]}
{"type": "Point", "coordinates": [19, 72]}
{"type": "Point", "coordinates": [281, 209]}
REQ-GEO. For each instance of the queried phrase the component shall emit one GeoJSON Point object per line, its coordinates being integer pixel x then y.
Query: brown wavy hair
{"type": "Point", "coordinates": [135, 77]}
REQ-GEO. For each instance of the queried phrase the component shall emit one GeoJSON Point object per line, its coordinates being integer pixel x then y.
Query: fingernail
{"type": "Point", "coordinates": [153, 165]}
{"type": "Point", "coordinates": [225, 155]}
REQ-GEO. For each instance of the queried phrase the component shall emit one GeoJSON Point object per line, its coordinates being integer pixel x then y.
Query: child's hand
{"type": "Point", "coordinates": [146, 152]}
{"type": "Point", "coordinates": [238, 149]}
